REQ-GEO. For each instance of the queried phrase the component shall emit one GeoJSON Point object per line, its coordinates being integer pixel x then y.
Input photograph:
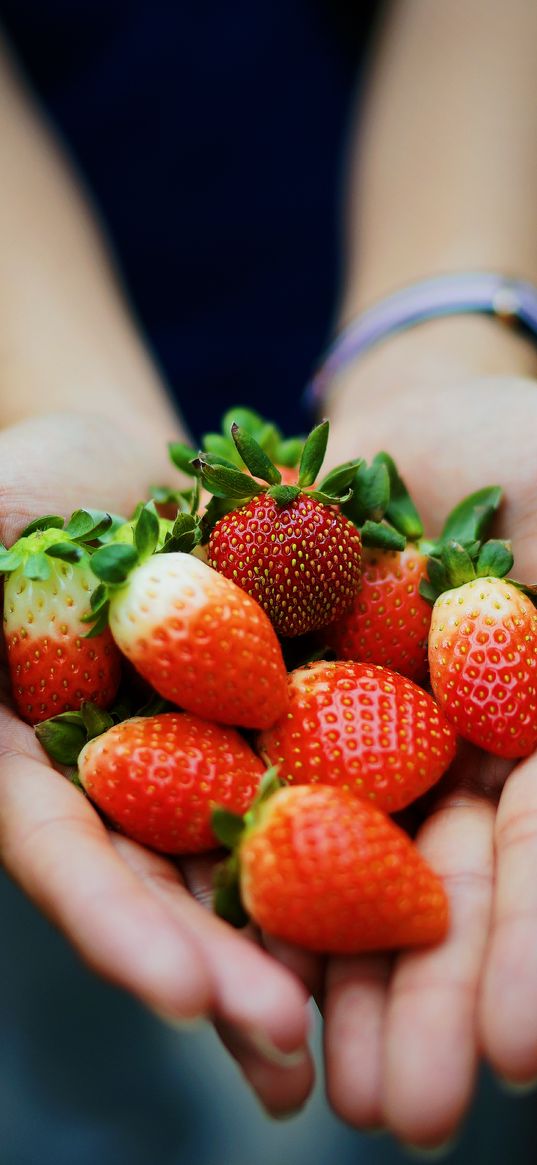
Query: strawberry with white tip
{"type": "Point", "coordinates": [483, 648]}
{"type": "Point", "coordinates": [53, 666]}
{"type": "Point", "coordinates": [198, 639]}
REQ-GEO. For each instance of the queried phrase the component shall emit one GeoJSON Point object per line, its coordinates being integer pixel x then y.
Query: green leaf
{"type": "Point", "coordinates": [459, 566]}
{"type": "Point", "coordinates": [339, 479]}
{"type": "Point", "coordinates": [427, 591]}
{"type": "Point", "coordinates": [63, 737]}
{"type": "Point", "coordinates": [227, 483]}
{"type": "Point", "coordinates": [495, 559]}
{"type": "Point", "coordinates": [163, 495]}
{"type": "Point", "coordinates": [438, 576]}
{"type": "Point", "coordinates": [370, 494]}
{"type": "Point", "coordinates": [382, 536]}
{"type": "Point", "coordinates": [146, 531]}
{"type": "Point", "coordinates": [215, 510]}
{"type": "Point", "coordinates": [66, 551]}
{"type": "Point", "coordinates": [113, 563]}
{"type": "Point", "coordinates": [116, 522]}
{"type": "Point", "coordinates": [289, 452]}
{"type": "Point", "coordinates": [10, 559]}
{"type": "Point", "coordinates": [328, 499]}
{"type": "Point", "coordinates": [471, 518]}
{"type": "Point", "coordinates": [95, 720]}
{"type": "Point", "coordinates": [284, 495]}
{"type": "Point", "coordinates": [88, 524]}
{"type": "Point", "coordinates": [254, 456]}
{"type": "Point", "coordinates": [313, 454]}
{"type": "Point", "coordinates": [99, 597]}
{"type": "Point", "coordinates": [227, 901]}
{"type": "Point", "coordinates": [37, 567]}
{"type": "Point", "coordinates": [221, 447]}
{"type": "Point", "coordinates": [100, 624]}
{"type": "Point", "coordinates": [268, 437]}
{"type": "Point", "coordinates": [400, 511]}
{"type": "Point", "coordinates": [48, 522]}
{"type": "Point", "coordinates": [246, 419]}
{"type": "Point", "coordinates": [269, 785]}
{"type": "Point", "coordinates": [182, 456]}
{"type": "Point", "coordinates": [217, 459]}
{"type": "Point", "coordinates": [184, 536]}
{"type": "Point", "coordinates": [228, 827]}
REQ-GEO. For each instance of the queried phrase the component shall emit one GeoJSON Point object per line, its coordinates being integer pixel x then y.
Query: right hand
{"type": "Point", "coordinates": [132, 915]}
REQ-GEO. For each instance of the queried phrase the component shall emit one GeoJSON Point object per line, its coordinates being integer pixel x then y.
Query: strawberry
{"type": "Point", "coordinates": [388, 622]}
{"type": "Point", "coordinates": [53, 666]}
{"type": "Point", "coordinates": [483, 651]}
{"type": "Point", "coordinates": [157, 778]}
{"type": "Point", "coordinates": [291, 550]}
{"type": "Point", "coordinates": [330, 873]}
{"type": "Point", "coordinates": [198, 639]}
{"type": "Point", "coordinates": [361, 728]}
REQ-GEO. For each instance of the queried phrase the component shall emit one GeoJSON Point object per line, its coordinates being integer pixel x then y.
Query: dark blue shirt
{"type": "Point", "coordinates": [211, 135]}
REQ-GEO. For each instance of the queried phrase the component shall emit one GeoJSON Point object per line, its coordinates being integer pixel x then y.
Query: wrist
{"type": "Point", "coordinates": [434, 354]}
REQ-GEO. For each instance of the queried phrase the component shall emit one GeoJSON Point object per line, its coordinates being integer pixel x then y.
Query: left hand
{"type": "Point", "coordinates": [403, 1034]}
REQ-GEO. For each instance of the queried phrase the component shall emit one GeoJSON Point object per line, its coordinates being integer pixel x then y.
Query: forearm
{"type": "Point", "coordinates": [68, 342]}
{"type": "Point", "coordinates": [444, 175]}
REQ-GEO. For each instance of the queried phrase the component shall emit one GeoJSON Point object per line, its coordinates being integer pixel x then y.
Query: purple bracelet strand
{"type": "Point", "coordinates": [513, 301]}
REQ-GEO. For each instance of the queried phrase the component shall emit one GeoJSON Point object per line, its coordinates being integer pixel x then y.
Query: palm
{"type": "Point", "coordinates": [402, 1035]}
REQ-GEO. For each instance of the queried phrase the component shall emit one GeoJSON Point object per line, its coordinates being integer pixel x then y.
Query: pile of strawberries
{"type": "Point", "coordinates": [254, 671]}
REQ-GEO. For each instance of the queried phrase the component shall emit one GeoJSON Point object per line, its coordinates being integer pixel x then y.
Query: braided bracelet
{"type": "Point", "coordinates": [513, 301]}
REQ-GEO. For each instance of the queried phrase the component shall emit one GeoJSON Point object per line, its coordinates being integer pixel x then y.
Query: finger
{"type": "Point", "coordinates": [508, 1017]}
{"type": "Point", "coordinates": [54, 845]}
{"type": "Point", "coordinates": [281, 1083]}
{"type": "Point", "coordinates": [281, 1080]}
{"type": "Point", "coordinates": [354, 1007]}
{"type": "Point", "coordinates": [307, 967]}
{"type": "Point", "coordinates": [249, 988]}
{"type": "Point", "coordinates": [198, 873]}
{"type": "Point", "coordinates": [430, 1054]}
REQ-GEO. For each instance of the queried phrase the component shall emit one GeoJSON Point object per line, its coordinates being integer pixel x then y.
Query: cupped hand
{"type": "Point", "coordinates": [136, 918]}
{"type": "Point", "coordinates": [403, 1035]}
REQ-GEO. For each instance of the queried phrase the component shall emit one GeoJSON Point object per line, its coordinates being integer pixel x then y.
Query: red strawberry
{"type": "Point", "coordinates": [361, 728]}
{"type": "Point", "coordinates": [198, 639]}
{"type": "Point", "coordinates": [53, 666]}
{"type": "Point", "coordinates": [327, 872]}
{"type": "Point", "coordinates": [389, 621]}
{"type": "Point", "coordinates": [157, 778]}
{"type": "Point", "coordinates": [483, 661]}
{"type": "Point", "coordinates": [291, 550]}
{"type": "Point", "coordinates": [301, 561]}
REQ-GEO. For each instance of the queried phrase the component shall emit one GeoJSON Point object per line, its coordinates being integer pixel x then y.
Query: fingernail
{"type": "Point", "coordinates": [286, 1115]}
{"type": "Point", "coordinates": [435, 1153]}
{"type": "Point", "coordinates": [178, 1024]}
{"type": "Point", "coordinates": [517, 1088]}
{"type": "Point", "coordinates": [266, 1048]}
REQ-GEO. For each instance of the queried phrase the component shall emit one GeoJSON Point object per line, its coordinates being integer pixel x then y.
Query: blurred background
{"type": "Point", "coordinates": [88, 1075]}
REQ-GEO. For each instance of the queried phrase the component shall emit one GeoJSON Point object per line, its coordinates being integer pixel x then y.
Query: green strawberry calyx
{"type": "Point", "coordinates": [381, 505]}
{"type": "Point", "coordinates": [231, 484]}
{"type": "Point", "coordinates": [221, 449]}
{"type": "Point", "coordinates": [456, 563]}
{"type": "Point", "coordinates": [64, 736]}
{"type": "Point", "coordinates": [384, 511]}
{"type": "Point", "coordinates": [145, 536]}
{"type": "Point", "coordinates": [51, 537]}
{"type": "Point", "coordinates": [230, 829]}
